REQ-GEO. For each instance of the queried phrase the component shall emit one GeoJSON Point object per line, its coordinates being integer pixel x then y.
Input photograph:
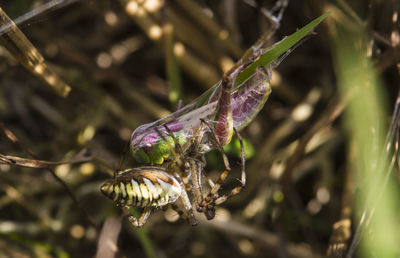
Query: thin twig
{"type": "Point", "coordinates": [40, 163]}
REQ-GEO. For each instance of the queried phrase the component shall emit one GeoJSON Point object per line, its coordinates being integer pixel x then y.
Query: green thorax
{"type": "Point", "coordinates": [163, 150]}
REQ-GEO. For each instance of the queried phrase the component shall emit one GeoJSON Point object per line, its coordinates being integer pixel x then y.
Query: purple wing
{"type": "Point", "coordinates": [246, 102]}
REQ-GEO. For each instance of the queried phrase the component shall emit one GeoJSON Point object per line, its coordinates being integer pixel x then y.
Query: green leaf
{"type": "Point", "coordinates": [279, 49]}
{"type": "Point", "coordinates": [267, 58]}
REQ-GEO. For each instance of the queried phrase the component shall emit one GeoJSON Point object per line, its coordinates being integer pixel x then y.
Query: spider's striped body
{"type": "Point", "coordinates": [142, 187]}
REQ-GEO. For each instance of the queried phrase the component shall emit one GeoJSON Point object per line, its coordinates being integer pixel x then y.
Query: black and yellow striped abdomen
{"type": "Point", "coordinates": [142, 187]}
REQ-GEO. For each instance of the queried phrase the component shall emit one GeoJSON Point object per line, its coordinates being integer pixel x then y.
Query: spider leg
{"type": "Point", "coordinates": [209, 180]}
{"type": "Point", "coordinates": [196, 167]}
{"type": "Point", "coordinates": [183, 213]}
{"type": "Point", "coordinates": [193, 168]}
{"type": "Point", "coordinates": [171, 148]}
{"type": "Point", "coordinates": [213, 198]}
{"type": "Point", "coordinates": [188, 208]}
{"type": "Point", "coordinates": [220, 199]}
{"type": "Point", "coordinates": [179, 210]}
{"type": "Point", "coordinates": [207, 205]}
{"type": "Point", "coordinates": [177, 166]}
{"type": "Point", "coordinates": [138, 223]}
{"type": "Point", "coordinates": [189, 166]}
{"type": "Point", "coordinates": [189, 214]}
{"type": "Point", "coordinates": [171, 134]}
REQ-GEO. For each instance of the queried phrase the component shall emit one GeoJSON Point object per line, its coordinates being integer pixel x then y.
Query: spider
{"type": "Point", "coordinates": [152, 187]}
{"type": "Point", "coordinates": [181, 171]}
